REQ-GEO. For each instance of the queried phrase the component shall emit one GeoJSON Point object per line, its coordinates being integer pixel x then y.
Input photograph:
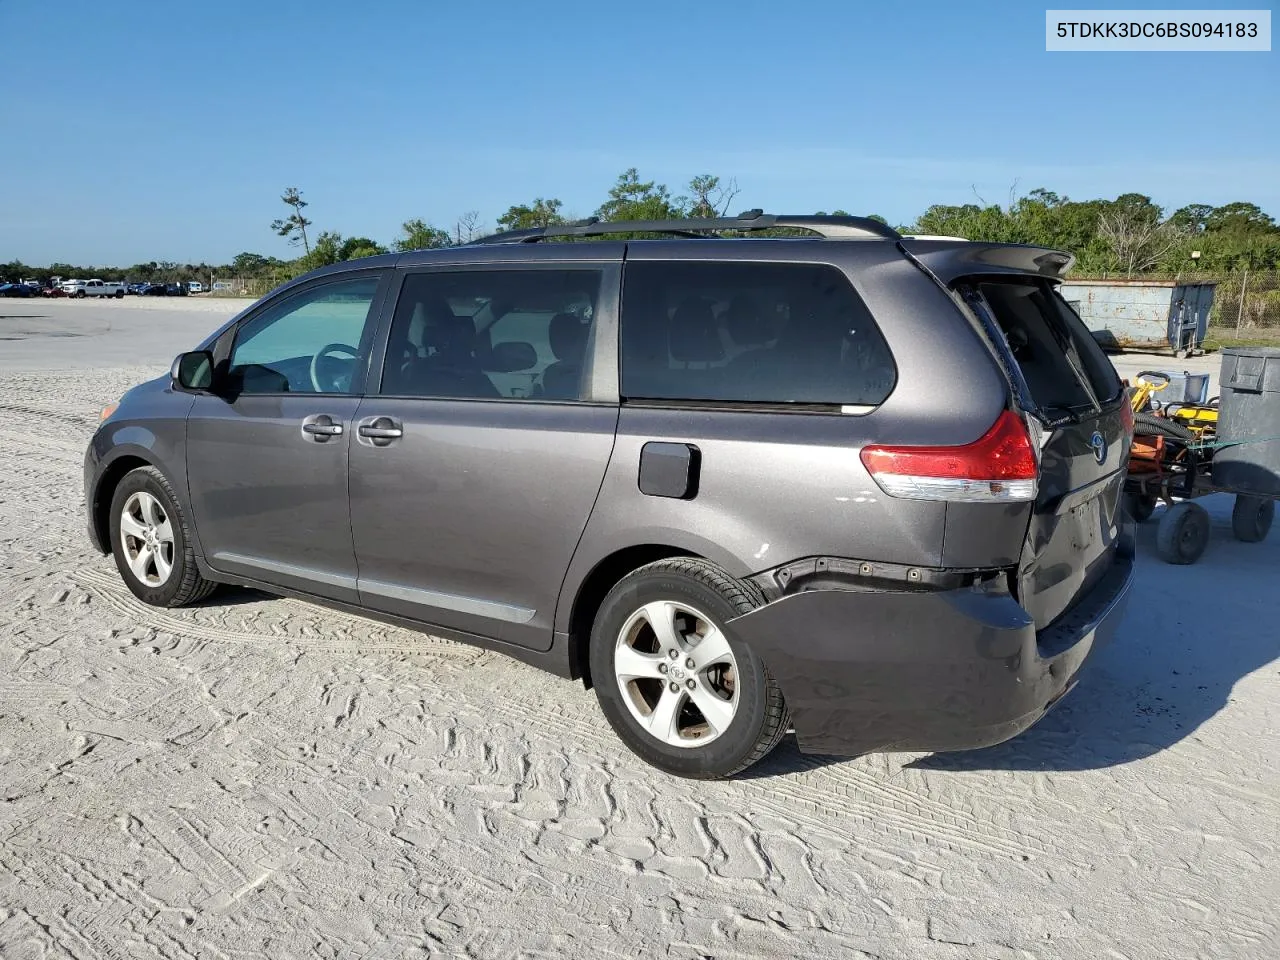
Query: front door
{"type": "Point", "coordinates": [476, 465]}
{"type": "Point", "coordinates": [267, 456]}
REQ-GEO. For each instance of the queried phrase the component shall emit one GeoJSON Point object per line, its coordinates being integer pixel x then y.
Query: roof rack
{"type": "Point", "coordinates": [829, 227]}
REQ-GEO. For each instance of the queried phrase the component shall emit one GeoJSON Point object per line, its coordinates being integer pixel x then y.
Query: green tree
{"type": "Point", "coordinates": [1238, 217]}
{"type": "Point", "coordinates": [353, 248]}
{"type": "Point", "coordinates": [710, 198]}
{"type": "Point", "coordinates": [417, 234]}
{"type": "Point", "coordinates": [540, 213]}
{"type": "Point", "coordinates": [326, 251]}
{"type": "Point", "coordinates": [630, 198]}
{"type": "Point", "coordinates": [1193, 217]}
{"type": "Point", "coordinates": [248, 264]}
{"type": "Point", "coordinates": [294, 226]}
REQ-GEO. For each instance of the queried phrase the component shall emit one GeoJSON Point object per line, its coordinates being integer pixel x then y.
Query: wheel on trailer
{"type": "Point", "coordinates": [1183, 533]}
{"type": "Point", "coordinates": [1251, 517]}
{"type": "Point", "coordinates": [1140, 506]}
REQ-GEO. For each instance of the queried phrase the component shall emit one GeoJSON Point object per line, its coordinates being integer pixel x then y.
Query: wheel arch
{"type": "Point", "coordinates": [123, 461]}
{"type": "Point", "coordinates": [596, 585]}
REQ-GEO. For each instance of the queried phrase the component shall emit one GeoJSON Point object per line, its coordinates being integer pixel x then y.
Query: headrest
{"type": "Point", "coordinates": [745, 323]}
{"type": "Point", "coordinates": [693, 335]}
{"type": "Point", "coordinates": [568, 336]}
{"type": "Point", "coordinates": [450, 332]}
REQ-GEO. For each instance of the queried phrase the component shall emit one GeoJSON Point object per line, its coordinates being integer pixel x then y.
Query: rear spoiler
{"type": "Point", "coordinates": [949, 260]}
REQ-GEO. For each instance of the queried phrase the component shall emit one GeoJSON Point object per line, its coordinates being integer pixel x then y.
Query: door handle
{"type": "Point", "coordinates": [320, 427]}
{"type": "Point", "coordinates": [381, 430]}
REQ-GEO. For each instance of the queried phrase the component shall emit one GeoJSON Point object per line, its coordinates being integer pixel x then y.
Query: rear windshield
{"type": "Point", "coordinates": [742, 332]}
{"type": "Point", "coordinates": [1063, 366]}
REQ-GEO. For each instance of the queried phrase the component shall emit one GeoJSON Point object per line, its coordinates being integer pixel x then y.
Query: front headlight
{"type": "Point", "coordinates": [108, 410]}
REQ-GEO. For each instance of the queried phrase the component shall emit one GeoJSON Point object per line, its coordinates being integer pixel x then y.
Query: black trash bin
{"type": "Point", "coordinates": [1248, 458]}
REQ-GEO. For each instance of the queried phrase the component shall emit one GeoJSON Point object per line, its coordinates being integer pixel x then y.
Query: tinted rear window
{"type": "Point", "coordinates": [1062, 364]}
{"type": "Point", "coordinates": [772, 333]}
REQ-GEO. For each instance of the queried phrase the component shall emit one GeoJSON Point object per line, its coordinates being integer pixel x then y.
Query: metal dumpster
{"type": "Point", "coordinates": [1248, 456]}
{"type": "Point", "coordinates": [1143, 313]}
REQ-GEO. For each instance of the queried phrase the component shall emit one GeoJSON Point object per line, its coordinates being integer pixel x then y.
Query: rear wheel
{"type": "Point", "coordinates": [677, 689]}
{"type": "Point", "coordinates": [1183, 533]}
{"type": "Point", "coordinates": [1251, 517]}
{"type": "Point", "coordinates": [151, 542]}
{"type": "Point", "coordinates": [1140, 506]}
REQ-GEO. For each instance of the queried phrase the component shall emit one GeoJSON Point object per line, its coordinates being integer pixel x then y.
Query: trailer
{"type": "Point", "coordinates": [1143, 314]}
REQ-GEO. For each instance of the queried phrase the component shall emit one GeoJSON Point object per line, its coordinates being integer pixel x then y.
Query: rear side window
{"type": "Point", "coordinates": [492, 334]}
{"type": "Point", "coordinates": [1062, 364]}
{"type": "Point", "coordinates": [741, 332]}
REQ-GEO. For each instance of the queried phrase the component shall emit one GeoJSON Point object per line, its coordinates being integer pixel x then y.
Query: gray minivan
{"type": "Point", "coordinates": [740, 475]}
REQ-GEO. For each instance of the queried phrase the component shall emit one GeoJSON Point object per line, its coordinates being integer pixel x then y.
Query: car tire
{"type": "Point", "coordinates": [1140, 506]}
{"type": "Point", "coordinates": [80, 294]}
{"type": "Point", "coordinates": [1251, 518]}
{"type": "Point", "coordinates": [153, 549]}
{"type": "Point", "coordinates": [1183, 533]}
{"type": "Point", "coordinates": [639, 691]}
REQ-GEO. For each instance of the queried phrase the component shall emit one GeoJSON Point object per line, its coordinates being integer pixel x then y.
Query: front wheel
{"type": "Point", "coordinates": [151, 542]}
{"type": "Point", "coordinates": [679, 691]}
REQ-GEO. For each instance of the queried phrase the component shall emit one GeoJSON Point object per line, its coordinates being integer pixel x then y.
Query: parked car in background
{"type": "Point", "coordinates": [53, 290]}
{"type": "Point", "coordinates": [136, 288]}
{"type": "Point", "coordinates": [155, 290]}
{"type": "Point", "coordinates": [176, 289]}
{"type": "Point", "coordinates": [863, 485]}
{"type": "Point", "coordinates": [17, 290]}
{"type": "Point", "coordinates": [93, 288]}
{"type": "Point", "coordinates": [195, 286]}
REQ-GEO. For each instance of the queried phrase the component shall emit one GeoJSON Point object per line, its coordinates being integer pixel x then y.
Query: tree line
{"type": "Point", "coordinates": [1129, 236]}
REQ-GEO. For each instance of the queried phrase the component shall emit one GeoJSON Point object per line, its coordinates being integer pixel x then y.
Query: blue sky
{"type": "Point", "coordinates": [159, 130]}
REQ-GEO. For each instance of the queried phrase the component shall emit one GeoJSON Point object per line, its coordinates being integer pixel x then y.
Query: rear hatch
{"type": "Point", "coordinates": [1077, 411]}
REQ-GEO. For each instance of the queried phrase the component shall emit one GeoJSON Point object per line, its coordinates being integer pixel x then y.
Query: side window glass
{"type": "Point", "coordinates": [742, 332]}
{"type": "Point", "coordinates": [492, 334]}
{"type": "Point", "coordinates": [313, 342]}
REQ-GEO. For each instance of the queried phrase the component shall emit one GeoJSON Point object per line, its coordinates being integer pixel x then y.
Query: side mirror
{"type": "Point", "coordinates": [192, 371]}
{"type": "Point", "coordinates": [509, 357]}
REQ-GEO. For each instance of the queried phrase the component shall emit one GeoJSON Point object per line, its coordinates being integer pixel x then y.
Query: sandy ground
{"type": "Point", "coordinates": [265, 778]}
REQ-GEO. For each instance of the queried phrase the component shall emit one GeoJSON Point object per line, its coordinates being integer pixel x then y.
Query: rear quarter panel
{"type": "Point", "coordinates": [777, 487]}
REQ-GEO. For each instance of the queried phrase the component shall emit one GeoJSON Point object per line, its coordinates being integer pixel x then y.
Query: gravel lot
{"type": "Point", "coordinates": [265, 778]}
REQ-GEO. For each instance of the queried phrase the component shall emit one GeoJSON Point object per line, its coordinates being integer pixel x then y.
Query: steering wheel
{"type": "Point", "coordinates": [337, 385]}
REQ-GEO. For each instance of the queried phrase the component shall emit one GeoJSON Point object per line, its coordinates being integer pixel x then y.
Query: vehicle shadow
{"type": "Point", "coordinates": [230, 596]}
{"type": "Point", "coordinates": [1189, 634]}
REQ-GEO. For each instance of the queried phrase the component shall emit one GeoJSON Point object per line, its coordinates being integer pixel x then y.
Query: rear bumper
{"type": "Point", "coordinates": [925, 671]}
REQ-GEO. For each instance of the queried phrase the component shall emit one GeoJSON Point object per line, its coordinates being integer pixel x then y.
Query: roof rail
{"type": "Point", "coordinates": [830, 227]}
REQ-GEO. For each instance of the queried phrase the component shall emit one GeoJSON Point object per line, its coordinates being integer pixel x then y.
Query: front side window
{"type": "Point", "coordinates": [742, 332]}
{"type": "Point", "coordinates": [313, 342]}
{"type": "Point", "coordinates": [492, 334]}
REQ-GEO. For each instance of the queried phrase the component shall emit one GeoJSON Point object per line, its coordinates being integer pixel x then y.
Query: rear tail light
{"type": "Point", "coordinates": [1000, 467]}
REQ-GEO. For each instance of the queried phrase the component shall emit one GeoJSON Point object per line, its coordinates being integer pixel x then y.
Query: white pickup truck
{"type": "Point", "coordinates": [93, 288]}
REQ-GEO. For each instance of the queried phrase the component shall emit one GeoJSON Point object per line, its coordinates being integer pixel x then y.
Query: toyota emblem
{"type": "Point", "coordinates": [1099, 444]}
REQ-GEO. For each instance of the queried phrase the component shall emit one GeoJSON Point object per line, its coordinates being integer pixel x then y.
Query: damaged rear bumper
{"type": "Point", "coordinates": [937, 670]}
